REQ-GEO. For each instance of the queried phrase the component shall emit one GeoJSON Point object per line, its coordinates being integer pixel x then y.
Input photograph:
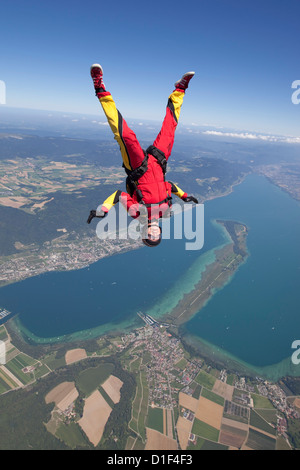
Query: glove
{"type": "Point", "coordinates": [191, 199]}
{"type": "Point", "coordinates": [94, 213]}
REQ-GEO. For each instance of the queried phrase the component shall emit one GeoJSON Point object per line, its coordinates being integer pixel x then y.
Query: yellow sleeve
{"type": "Point", "coordinates": [177, 191]}
{"type": "Point", "coordinates": [111, 201]}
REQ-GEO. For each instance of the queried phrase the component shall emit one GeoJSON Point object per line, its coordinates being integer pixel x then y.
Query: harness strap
{"type": "Point", "coordinates": [133, 176]}
{"type": "Point", "coordinates": [167, 199]}
{"type": "Point", "coordinates": [138, 172]}
{"type": "Point", "coordinates": [159, 155]}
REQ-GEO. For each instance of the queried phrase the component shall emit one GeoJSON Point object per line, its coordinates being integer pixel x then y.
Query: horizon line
{"type": "Point", "coordinates": [217, 130]}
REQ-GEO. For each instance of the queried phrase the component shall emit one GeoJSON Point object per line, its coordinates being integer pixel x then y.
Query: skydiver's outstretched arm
{"type": "Point", "coordinates": [181, 194]}
{"type": "Point", "coordinates": [134, 209]}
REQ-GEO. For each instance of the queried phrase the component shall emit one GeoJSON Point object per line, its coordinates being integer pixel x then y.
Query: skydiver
{"type": "Point", "coordinates": [146, 186]}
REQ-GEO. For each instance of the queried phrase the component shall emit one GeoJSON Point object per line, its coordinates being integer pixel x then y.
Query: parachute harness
{"type": "Point", "coordinates": [133, 176]}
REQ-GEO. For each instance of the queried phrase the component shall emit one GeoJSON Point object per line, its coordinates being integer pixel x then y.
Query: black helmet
{"type": "Point", "coordinates": [148, 241]}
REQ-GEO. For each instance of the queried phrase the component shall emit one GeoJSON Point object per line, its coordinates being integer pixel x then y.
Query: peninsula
{"type": "Point", "coordinates": [228, 258]}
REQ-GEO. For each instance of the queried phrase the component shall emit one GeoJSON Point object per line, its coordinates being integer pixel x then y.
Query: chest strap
{"type": "Point", "coordinates": [160, 157]}
{"type": "Point", "coordinates": [133, 176]}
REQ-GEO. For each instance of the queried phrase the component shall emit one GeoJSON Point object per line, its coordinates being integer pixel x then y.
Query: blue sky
{"type": "Point", "coordinates": [245, 55]}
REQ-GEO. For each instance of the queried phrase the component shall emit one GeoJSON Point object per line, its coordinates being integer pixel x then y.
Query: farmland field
{"type": "Point", "coordinates": [155, 419]}
{"type": "Point", "coordinates": [261, 402]}
{"type": "Point", "coordinates": [15, 367]}
{"type": "Point", "coordinates": [206, 380]}
{"type": "Point", "coordinates": [209, 412]}
{"type": "Point", "coordinates": [158, 441]}
{"type": "Point", "coordinates": [140, 406]}
{"type": "Point", "coordinates": [233, 435]}
{"type": "Point", "coordinates": [205, 430]}
{"type": "Point", "coordinates": [95, 415]}
{"type": "Point", "coordinates": [188, 402]}
{"type": "Point", "coordinates": [91, 378]}
{"type": "Point", "coordinates": [259, 441]}
{"type": "Point", "coordinates": [258, 422]}
{"type": "Point", "coordinates": [236, 412]}
{"type": "Point", "coordinates": [213, 397]}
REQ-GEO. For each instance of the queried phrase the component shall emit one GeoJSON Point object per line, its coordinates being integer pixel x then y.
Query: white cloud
{"type": "Point", "coordinates": [252, 136]}
{"type": "Point", "coordinates": [293, 140]}
{"type": "Point", "coordinates": [100, 123]}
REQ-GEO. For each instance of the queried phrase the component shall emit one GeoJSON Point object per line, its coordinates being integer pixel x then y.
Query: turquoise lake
{"type": "Point", "coordinates": [254, 317]}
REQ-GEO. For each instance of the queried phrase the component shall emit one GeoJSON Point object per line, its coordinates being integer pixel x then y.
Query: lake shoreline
{"type": "Point", "coordinates": [228, 258]}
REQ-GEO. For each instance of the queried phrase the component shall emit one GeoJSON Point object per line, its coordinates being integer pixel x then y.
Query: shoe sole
{"type": "Point", "coordinates": [98, 66]}
{"type": "Point", "coordinates": [184, 76]}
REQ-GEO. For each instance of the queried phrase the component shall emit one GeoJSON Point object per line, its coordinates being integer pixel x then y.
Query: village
{"type": "Point", "coordinates": [62, 254]}
{"type": "Point", "coordinates": [170, 374]}
{"type": "Point", "coordinates": [194, 398]}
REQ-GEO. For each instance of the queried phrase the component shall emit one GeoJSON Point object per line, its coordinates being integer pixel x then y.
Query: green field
{"type": "Point", "coordinates": [155, 419]}
{"type": "Point", "coordinates": [134, 365]}
{"type": "Point", "coordinates": [130, 443]}
{"type": "Point", "coordinates": [144, 406]}
{"type": "Point", "coordinates": [258, 422]}
{"type": "Point", "coordinates": [15, 366]}
{"type": "Point", "coordinates": [53, 362]}
{"type": "Point", "coordinates": [230, 379]}
{"type": "Point", "coordinates": [259, 441]}
{"type": "Point", "coordinates": [261, 402]}
{"type": "Point", "coordinates": [197, 391]}
{"type": "Point", "coordinates": [140, 406]}
{"type": "Point", "coordinates": [25, 360]}
{"type": "Point", "coordinates": [4, 386]}
{"type": "Point", "coordinates": [203, 444]}
{"type": "Point", "coordinates": [281, 444]}
{"type": "Point", "coordinates": [206, 380]}
{"type": "Point", "coordinates": [40, 370]}
{"type": "Point", "coordinates": [71, 434]}
{"type": "Point", "coordinates": [91, 378]}
{"type": "Point", "coordinates": [3, 334]}
{"type": "Point", "coordinates": [269, 415]}
{"type": "Point", "coordinates": [205, 430]}
{"type": "Point", "coordinates": [213, 397]}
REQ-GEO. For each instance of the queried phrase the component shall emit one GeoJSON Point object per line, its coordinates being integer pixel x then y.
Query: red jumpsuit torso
{"type": "Point", "coordinates": [155, 191]}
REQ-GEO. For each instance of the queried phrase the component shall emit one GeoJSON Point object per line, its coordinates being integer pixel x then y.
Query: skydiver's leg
{"type": "Point", "coordinates": [165, 139]}
{"type": "Point", "coordinates": [132, 152]}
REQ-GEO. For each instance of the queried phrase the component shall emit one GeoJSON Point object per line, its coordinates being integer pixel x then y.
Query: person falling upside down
{"type": "Point", "coordinates": [146, 185]}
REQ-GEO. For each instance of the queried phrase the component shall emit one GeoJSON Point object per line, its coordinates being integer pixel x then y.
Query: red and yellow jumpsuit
{"type": "Point", "coordinates": [156, 192]}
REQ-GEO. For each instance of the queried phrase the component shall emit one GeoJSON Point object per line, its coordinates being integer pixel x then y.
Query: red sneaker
{"type": "Point", "coordinates": [183, 83]}
{"type": "Point", "coordinates": [97, 76]}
